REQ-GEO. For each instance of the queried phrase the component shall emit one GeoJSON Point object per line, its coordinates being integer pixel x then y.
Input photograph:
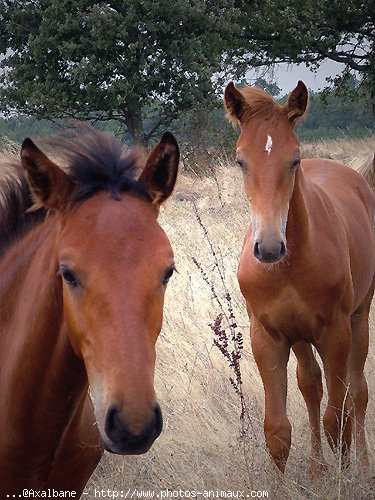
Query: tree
{"type": "Point", "coordinates": [143, 62]}
{"type": "Point", "coordinates": [270, 87]}
{"type": "Point", "coordinates": [139, 62]}
{"type": "Point", "coordinates": [310, 31]}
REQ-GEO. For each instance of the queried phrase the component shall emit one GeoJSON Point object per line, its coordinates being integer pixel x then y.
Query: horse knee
{"type": "Point", "coordinates": [337, 427]}
{"type": "Point", "coordinates": [359, 392]}
{"type": "Point", "coordinates": [310, 384]}
{"type": "Point", "coordinates": [278, 440]}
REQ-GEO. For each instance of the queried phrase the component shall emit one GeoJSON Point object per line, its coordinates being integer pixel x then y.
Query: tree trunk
{"type": "Point", "coordinates": [134, 122]}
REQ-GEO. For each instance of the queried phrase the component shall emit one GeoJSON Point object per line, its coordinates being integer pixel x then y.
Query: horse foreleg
{"type": "Point", "coordinates": [334, 348]}
{"type": "Point", "coordinates": [309, 377]}
{"type": "Point", "coordinates": [271, 356]}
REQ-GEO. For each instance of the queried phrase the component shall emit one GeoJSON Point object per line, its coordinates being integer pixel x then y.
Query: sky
{"type": "Point", "coordinates": [287, 76]}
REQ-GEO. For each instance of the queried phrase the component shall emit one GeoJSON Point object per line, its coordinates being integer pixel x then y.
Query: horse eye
{"type": "Point", "coordinates": [240, 163]}
{"type": "Point", "coordinates": [295, 164]}
{"type": "Point", "coordinates": [68, 276]}
{"type": "Point", "coordinates": [168, 275]}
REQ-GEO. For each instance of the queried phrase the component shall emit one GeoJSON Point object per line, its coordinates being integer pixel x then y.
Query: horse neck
{"type": "Point", "coordinates": [298, 227]}
{"type": "Point", "coordinates": [42, 380]}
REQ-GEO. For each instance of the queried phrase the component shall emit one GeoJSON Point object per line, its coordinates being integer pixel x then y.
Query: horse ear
{"type": "Point", "coordinates": [234, 103]}
{"type": "Point", "coordinates": [49, 183]}
{"type": "Point", "coordinates": [297, 102]}
{"type": "Point", "coordinates": [160, 173]}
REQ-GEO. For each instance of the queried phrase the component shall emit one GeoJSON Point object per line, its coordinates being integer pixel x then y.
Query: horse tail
{"type": "Point", "coordinates": [366, 168]}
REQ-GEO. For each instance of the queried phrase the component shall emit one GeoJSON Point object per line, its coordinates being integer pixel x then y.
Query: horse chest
{"type": "Point", "coordinates": [298, 312]}
{"type": "Point", "coordinates": [288, 315]}
{"type": "Point", "coordinates": [293, 300]}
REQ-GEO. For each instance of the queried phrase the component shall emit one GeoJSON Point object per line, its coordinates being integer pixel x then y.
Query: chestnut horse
{"type": "Point", "coordinates": [306, 271]}
{"type": "Point", "coordinates": [83, 277]}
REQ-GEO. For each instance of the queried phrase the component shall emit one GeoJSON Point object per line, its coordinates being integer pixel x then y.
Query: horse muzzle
{"type": "Point", "coordinates": [121, 440]}
{"type": "Point", "coordinates": [269, 253]}
{"type": "Point", "coordinates": [269, 237]}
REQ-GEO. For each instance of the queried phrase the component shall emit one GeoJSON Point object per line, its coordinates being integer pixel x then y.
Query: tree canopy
{"type": "Point", "coordinates": [128, 61]}
{"type": "Point", "coordinates": [310, 31]}
{"type": "Point", "coordinates": [143, 62]}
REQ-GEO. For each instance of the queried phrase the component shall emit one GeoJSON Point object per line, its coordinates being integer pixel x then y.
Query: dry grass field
{"type": "Point", "coordinates": [203, 445]}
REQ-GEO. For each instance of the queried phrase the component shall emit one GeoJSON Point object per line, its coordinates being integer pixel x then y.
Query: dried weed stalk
{"type": "Point", "coordinates": [227, 336]}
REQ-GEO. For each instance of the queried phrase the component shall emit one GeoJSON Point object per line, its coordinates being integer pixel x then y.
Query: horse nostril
{"type": "Point", "coordinates": [114, 427]}
{"type": "Point", "coordinates": [256, 250]}
{"type": "Point", "coordinates": [282, 249]}
{"type": "Point", "coordinates": [158, 420]}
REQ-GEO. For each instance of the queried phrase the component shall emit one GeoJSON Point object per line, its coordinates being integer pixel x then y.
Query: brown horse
{"type": "Point", "coordinates": [83, 275]}
{"type": "Point", "coordinates": [306, 271]}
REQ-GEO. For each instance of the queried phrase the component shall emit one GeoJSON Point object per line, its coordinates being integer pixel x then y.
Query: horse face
{"type": "Point", "coordinates": [268, 154]}
{"type": "Point", "coordinates": [114, 261]}
{"type": "Point", "coordinates": [269, 162]}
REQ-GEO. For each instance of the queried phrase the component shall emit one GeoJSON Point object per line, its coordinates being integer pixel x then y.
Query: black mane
{"type": "Point", "coordinates": [94, 160]}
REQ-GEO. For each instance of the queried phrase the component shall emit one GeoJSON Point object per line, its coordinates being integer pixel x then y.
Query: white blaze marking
{"type": "Point", "coordinates": [268, 147]}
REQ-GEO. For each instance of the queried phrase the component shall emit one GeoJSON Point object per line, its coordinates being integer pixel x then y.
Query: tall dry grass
{"type": "Point", "coordinates": [201, 447]}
